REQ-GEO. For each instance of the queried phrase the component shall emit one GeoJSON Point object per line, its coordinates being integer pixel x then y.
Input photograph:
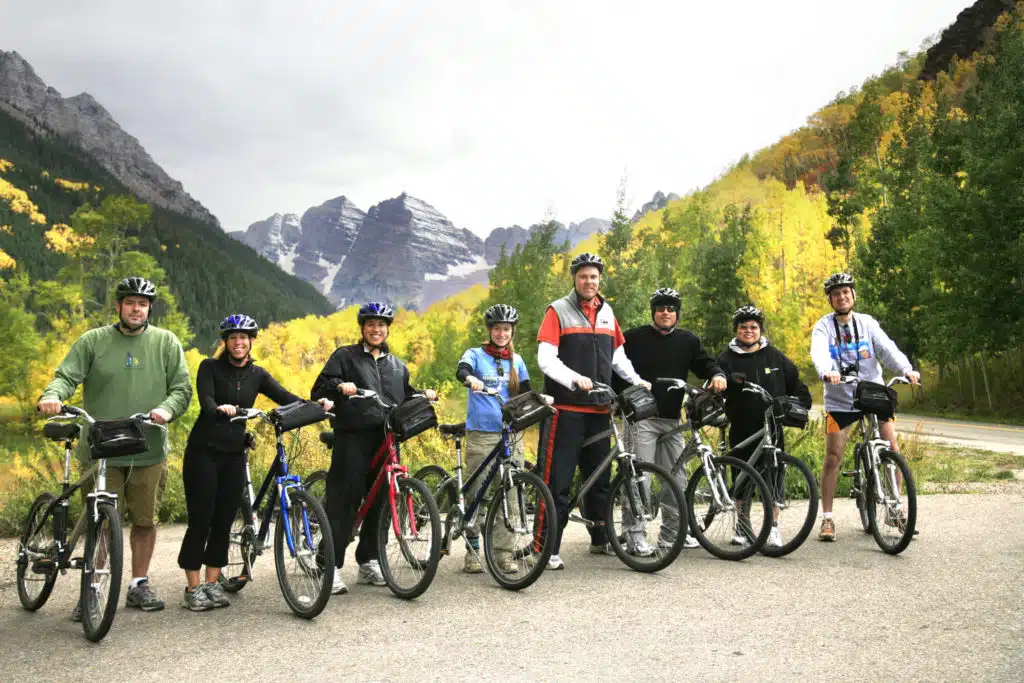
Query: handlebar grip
{"type": "Point", "coordinates": [70, 410]}
{"type": "Point", "coordinates": [666, 380]}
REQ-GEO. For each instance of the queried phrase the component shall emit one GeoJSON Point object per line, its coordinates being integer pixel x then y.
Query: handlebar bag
{"type": "Point", "coordinates": [790, 412]}
{"type": "Point", "coordinates": [875, 398]}
{"type": "Point", "coordinates": [706, 409]}
{"type": "Point", "coordinates": [525, 410]}
{"type": "Point", "coordinates": [638, 403]}
{"type": "Point", "coordinates": [114, 438]}
{"type": "Point", "coordinates": [297, 414]}
{"type": "Point", "coordinates": [413, 417]}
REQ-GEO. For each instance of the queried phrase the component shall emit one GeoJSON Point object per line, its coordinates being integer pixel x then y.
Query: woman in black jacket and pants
{"type": "Point", "coordinates": [213, 470]}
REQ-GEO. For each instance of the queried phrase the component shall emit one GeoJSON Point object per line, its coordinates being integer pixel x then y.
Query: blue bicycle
{"type": "Point", "coordinates": [303, 546]}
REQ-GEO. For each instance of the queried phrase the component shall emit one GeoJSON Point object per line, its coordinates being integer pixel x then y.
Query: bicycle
{"type": "Point", "coordinates": [732, 522]}
{"type": "Point", "coordinates": [882, 482]}
{"type": "Point", "coordinates": [44, 549]}
{"type": "Point", "coordinates": [303, 552]}
{"type": "Point", "coordinates": [520, 518]}
{"type": "Point", "coordinates": [410, 517]}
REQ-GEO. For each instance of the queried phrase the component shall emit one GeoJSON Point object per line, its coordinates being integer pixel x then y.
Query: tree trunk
{"type": "Point", "coordinates": [960, 375]}
{"type": "Point", "coordinates": [974, 391]}
{"type": "Point", "coordinates": [984, 377]}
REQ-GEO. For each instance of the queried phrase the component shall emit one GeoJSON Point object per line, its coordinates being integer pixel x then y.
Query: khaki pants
{"type": "Point", "coordinates": [476, 447]}
{"type": "Point", "coordinates": [138, 490]}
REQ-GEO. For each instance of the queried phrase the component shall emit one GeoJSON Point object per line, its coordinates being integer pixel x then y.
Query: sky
{"type": "Point", "coordinates": [495, 112]}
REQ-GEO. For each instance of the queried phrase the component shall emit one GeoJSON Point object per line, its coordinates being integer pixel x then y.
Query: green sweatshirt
{"type": "Point", "coordinates": [122, 375]}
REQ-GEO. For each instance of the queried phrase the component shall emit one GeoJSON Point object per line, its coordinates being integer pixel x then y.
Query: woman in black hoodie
{"type": "Point", "coordinates": [213, 470]}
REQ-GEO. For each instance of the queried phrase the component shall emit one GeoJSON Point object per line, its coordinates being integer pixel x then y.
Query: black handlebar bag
{"type": "Point", "coordinates": [706, 409]}
{"type": "Point", "coordinates": [638, 403]}
{"type": "Point", "coordinates": [875, 398]}
{"type": "Point", "coordinates": [413, 417]}
{"type": "Point", "coordinates": [789, 411]}
{"type": "Point", "coordinates": [297, 414]}
{"type": "Point", "coordinates": [525, 410]}
{"type": "Point", "coordinates": [116, 438]}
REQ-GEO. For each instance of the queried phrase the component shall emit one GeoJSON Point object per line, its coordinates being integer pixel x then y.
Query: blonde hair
{"type": "Point", "coordinates": [513, 374]}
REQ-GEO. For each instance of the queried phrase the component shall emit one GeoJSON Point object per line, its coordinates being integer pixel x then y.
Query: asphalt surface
{"type": "Point", "coordinates": [986, 436]}
{"type": "Point", "coordinates": [950, 608]}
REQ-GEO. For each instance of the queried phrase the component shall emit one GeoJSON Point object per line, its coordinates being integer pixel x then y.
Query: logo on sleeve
{"type": "Point", "coordinates": [131, 362]}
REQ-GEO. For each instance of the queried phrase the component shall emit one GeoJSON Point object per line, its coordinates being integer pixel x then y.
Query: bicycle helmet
{"type": "Point", "coordinates": [501, 313]}
{"type": "Point", "coordinates": [748, 312]}
{"type": "Point", "coordinates": [238, 323]}
{"type": "Point", "coordinates": [135, 286]}
{"type": "Point", "coordinates": [665, 296]}
{"type": "Point", "coordinates": [838, 280]}
{"type": "Point", "coordinates": [375, 310]}
{"type": "Point", "coordinates": [586, 259]}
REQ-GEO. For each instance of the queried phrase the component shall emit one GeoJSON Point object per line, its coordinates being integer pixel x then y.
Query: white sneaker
{"type": "Point", "coordinates": [641, 548]}
{"type": "Point", "coordinates": [338, 587]}
{"type": "Point", "coordinates": [555, 562]}
{"type": "Point", "coordinates": [370, 573]}
{"type": "Point", "coordinates": [690, 542]}
{"type": "Point", "coordinates": [739, 539]}
{"type": "Point", "coordinates": [774, 538]}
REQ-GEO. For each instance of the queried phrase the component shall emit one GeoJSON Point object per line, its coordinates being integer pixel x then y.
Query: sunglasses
{"type": "Point", "coordinates": [665, 309]}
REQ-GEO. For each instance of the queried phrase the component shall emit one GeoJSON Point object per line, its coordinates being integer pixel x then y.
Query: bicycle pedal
{"type": "Point", "coordinates": [576, 518]}
{"type": "Point", "coordinates": [76, 563]}
{"type": "Point", "coordinates": [850, 473]}
{"type": "Point", "coordinates": [43, 565]}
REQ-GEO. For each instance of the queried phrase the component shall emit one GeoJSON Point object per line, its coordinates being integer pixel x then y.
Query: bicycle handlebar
{"type": "Point", "coordinates": [370, 393]}
{"type": "Point", "coordinates": [853, 379]}
{"type": "Point", "coordinates": [73, 413]}
{"type": "Point", "coordinates": [678, 385]}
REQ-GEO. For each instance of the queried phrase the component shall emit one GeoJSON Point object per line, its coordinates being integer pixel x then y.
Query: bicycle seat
{"type": "Point", "coordinates": [327, 438]}
{"type": "Point", "coordinates": [455, 430]}
{"type": "Point", "coordinates": [60, 431]}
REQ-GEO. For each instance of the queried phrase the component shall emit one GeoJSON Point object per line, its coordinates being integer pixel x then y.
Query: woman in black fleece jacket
{"type": "Point", "coordinates": [213, 470]}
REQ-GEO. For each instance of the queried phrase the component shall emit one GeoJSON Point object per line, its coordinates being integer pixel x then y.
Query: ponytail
{"type": "Point", "coordinates": [513, 374]}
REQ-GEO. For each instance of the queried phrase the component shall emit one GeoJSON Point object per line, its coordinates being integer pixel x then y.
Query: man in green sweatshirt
{"type": "Point", "coordinates": [127, 368]}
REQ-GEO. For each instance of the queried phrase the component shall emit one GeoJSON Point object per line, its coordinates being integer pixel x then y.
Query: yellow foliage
{"type": "Point", "coordinates": [6, 229]}
{"type": "Point", "coordinates": [19, 202]}
{"type": "Point", "coordinates": [6, 262]}
{"type": "Point", "coordinates": [72, 185]}
{"type": "Point", "coordinates": [62, 239]}
{"type": "Point", "coordinates": [5, 165]}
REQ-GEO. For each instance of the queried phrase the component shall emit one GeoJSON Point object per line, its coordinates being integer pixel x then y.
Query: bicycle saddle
{"type": "Point", "coordinates": [453, 430]}
{"type": "Point", "coordinates": [327, 438]}
{"type": "Point", "coordinates": [60, 431]}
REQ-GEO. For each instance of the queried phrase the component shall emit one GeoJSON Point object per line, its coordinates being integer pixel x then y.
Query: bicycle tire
{"type": "Point", "coordinates": [241, 542]}
{"type": "Point", "coordinates": [34, 588]}
{"type": "Point", "coordinates": [783, 499]}
{"type": "Point", "coordinates": [316, 486]}
{"type": "Point", "coordinates": [434, 476]}
{"type": "Point", "coordinates": [103, 536]}
{"type": "Point", "coordinates": [541, 537]}
{"type": "Point", "coordinates": [447, 499]}
{"type": "Point", "coordinates": [421, 559]}
{"type": "Point", "coordinates": [727, 520]}
{"type": "Point", "coordinates": [897, 543]}
{"type": "Point", "coordinates": [655, 492]}
{"type": "Point", "coordinates": [313, 557]}
{"type": "Point", "coordinates": [860, 481]}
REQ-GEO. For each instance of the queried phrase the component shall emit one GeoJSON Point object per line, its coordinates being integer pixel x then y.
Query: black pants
{"type": "Point", "coordinates": [348, 482]}
{"type": "Point", "coordinates": [561, 449]}
{"type": "Point", "coordinates": [213, 490]}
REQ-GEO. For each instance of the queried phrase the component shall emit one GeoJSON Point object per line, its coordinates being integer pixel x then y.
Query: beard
{"type": "Point", "coordinates": [133, 328]}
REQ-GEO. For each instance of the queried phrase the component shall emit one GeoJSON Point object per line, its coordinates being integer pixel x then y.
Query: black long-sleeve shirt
{"type": "Point", "coordinates": [219, 382]}
{"type": "Point", "coordinates": [771, 369]}
{"type": "Point", "coordinates": [386, 375]}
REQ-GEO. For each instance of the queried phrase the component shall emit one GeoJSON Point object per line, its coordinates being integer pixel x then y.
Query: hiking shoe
{"type": "Point", "coordinates": [472, 563]}
{"type": "Point", "coordinates": [143, 597]}
{"type": "Point", "coordinates": [641, 548]}
{"type": "Point", "coordinates": [602, 549]}
{"type": "Point", "coordinates": [216, 594]}
{"type": "Point", "coordinates": [76, 613]}
{"type": "Point", "coordinates": [507, 565]}
{"type": "Point", "coordinates": [828, 530]}
{"type": "Point", "coordinates": [196, 600]}
{"type": "Point", "coordinates": [338, 587]}
{"type": "Point", "coordinates": [370, 573]}
{"type": "Point", "coordinates": [739, 539]}
{"type": "Point", "coordinates": [555, 562]}
{"type": "Point", "coordinates": [774, 538]}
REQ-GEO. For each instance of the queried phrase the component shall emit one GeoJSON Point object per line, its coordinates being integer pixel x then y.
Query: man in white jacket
{"type": "Point", "coordinates": [848, 343]}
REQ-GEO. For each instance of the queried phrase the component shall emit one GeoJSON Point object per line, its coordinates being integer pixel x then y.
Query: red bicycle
{"type": "Point", "coordinates": [409, 531]}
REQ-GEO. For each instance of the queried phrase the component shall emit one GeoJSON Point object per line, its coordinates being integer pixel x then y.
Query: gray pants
{"type": "Point", "coordinates": [642, 438]}
{"type": "Point", "coordinates": [477, 446]}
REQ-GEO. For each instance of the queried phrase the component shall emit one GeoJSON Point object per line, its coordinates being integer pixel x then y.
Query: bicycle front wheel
{"type": "Point", "coordinates": [794, 502]}
{"type": "Point", "coordinates": [305, 570]}
{"type": "Point", "coordinates": [37, 555]}
{"type": "Point", "coordinates": [409, 545]}
{"type": "Point", "coordinates": [517, 545]}
{"type": "Point", "coordinates": [861, 466]}
{"type": "Point", "coordinates": [731, 522]}
{"type": "Point", "coordinates": [316, 486]}
{"type": "Point", "coordinates": [894, 515]}
{"type": "Point", "coordinates": [646, 521]}
{"type": "Point", "coordinates": [101, 575]}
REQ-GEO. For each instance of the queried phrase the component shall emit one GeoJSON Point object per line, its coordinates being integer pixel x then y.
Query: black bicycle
{"type": "Point", "coordinates": [44, 549]}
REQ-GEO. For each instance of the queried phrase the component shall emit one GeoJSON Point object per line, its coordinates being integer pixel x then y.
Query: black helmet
{"type": "Point", "coordinates": [375, 309]}
{"type": "Point", "coordinates": [135, 286]}
{"type": "Point", "coordinates": [838, 280]}
{"type": "Point", "coordinates": [586, 259]}
{"type": "Point", "coordinates": [501, 313]}
{"type": "Point", "coordinates": [665, 296]}
{"type": "Point", "coordinates": [238, 323]}
{"type": "Point", "coordinates": [748, 312]}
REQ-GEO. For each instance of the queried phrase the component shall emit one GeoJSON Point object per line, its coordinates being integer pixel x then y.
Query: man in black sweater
{"type": "Point", "coordinates": [661, 350]}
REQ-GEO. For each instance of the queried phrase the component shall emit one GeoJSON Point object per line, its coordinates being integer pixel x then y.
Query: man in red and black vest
{"type": "Point", "coordinates": [580, 344]}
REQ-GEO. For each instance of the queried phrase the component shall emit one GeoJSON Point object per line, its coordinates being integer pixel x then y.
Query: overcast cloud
{"type": "Point", "coordinates": [494, 112]}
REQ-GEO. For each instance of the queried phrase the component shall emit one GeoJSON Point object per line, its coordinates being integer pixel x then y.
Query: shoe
{"type": "Point", "coordinates": [602, 549]}
{"type": "Point", "coordinates": [641, 548]}
{"type": "Point", "coordinates": [774, 538]}
{"type": "Point", "coordinates": [555, 563]}
{"type": "Point", "coordinates": [472, 563]}
{"type": "Point", "coordinates": [196, 600]}
{"type": "Point", "coordinates": [370, 573]}
{"type": "Point", "coordinates": [508, 565]}
{"type": "Point", "coordinates": [76, 613]}
{"type": "Point", "coordinates": [338, 587]}
{"type": "Point", "coordinates": [739, 539]}
{"type": "Point", "coordinates": [216, 594]}
{"type": "Point", "coordinates": [143, 597]}
{"type": "Point", "coordinates": [828, 530]}
{"type": "Point", "coordinates": [690, 542]}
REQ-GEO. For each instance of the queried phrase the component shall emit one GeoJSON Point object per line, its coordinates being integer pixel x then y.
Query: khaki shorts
{"type": "Point", "coordinates": [138, 490]}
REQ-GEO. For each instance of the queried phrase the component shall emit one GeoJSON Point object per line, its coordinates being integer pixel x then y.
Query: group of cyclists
{"type": "Point", "coordinates": [134, 367]}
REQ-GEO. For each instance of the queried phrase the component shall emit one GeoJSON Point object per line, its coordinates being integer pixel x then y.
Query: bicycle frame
{"type": "Point", "coordinates": [390, 471]}
{"type": "Point", "coordinates": [494, 464]}
{"type": "Point", "coordinates": [872, 443]}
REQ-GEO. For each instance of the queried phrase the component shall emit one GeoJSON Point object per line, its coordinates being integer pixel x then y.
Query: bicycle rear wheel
{"type": "Point", "coordinates": [894, 515]}
{"type": "Point", "coordinates": [517, 545]}
{"type": "Point", "coordinates": [241, 547]}
{"type": "Point", "coordinates": [306, 571]}
{"type": "Point", "coordinates": [794, 502]}
{"type": "Point", "coordinates": [730, 523]}
{"type": "Point", "coordinates": [434, 476]}
{"type": "Point", "coordinates": [408, 559]}
{"type": "Point", "coordinates": [37, 555]}
{"type": "Point", "coordinates": [101, 575]}
{"type": "Point", "coordinates": [646, 521]}
{"type": "Point", "coordinates": [861, 468]}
